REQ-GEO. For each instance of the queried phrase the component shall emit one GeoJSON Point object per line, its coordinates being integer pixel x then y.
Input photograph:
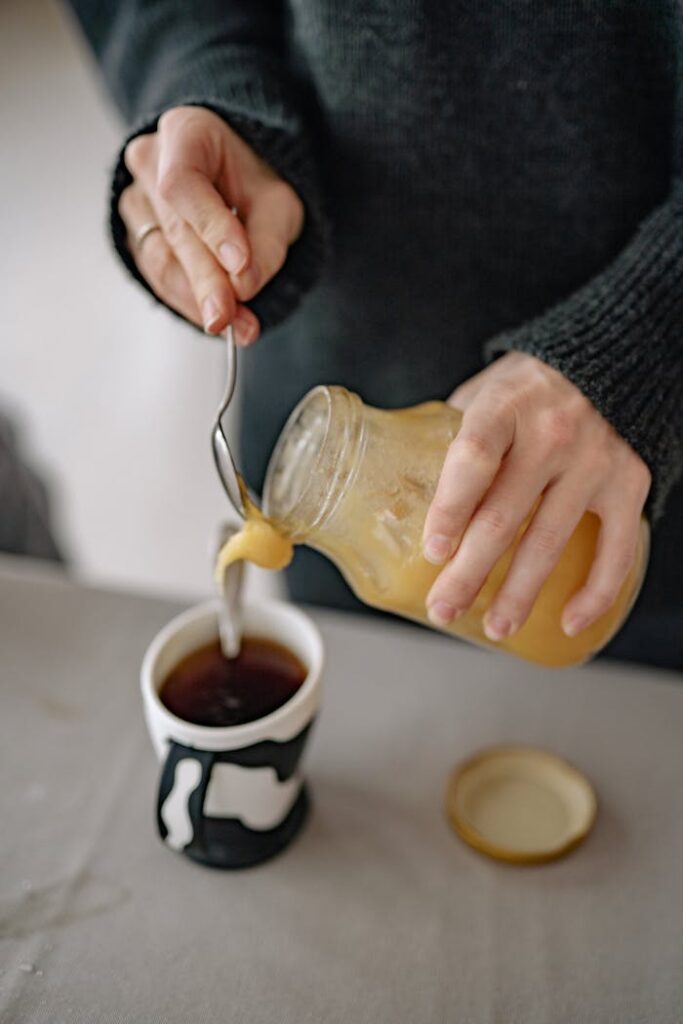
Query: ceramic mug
{"type": "Point", "coordinates": [232, 796]}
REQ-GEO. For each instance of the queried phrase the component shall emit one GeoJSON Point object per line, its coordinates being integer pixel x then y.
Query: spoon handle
{"type": "Point", "coordinates": [225, 464]}
{"type": "Point", "coordinates": [230, 616]}
{"type": "Point", "coordinates": [230, 591]}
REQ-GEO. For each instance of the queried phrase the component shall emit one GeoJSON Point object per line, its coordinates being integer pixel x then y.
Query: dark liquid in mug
{"type": "Point", "coordinates": [207, 689]}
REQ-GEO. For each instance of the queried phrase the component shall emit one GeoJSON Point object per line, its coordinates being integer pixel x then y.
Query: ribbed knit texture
{"type": "Point", "coordinates": [620, 340]}
{"type": "Point", "coordinates": [483, 162]}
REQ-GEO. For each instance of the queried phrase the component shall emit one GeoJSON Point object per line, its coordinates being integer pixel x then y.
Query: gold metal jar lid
{"type": "Point", "coordinates": [520, 804]}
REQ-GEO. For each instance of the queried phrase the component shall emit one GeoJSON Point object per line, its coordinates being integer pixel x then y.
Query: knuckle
{"type": "Point", "coordinates": [472, 447]}
{"type": "Point", "coordinates": [515, 606]}
{"type": "Point", "coordinates": [642, 478]}
{"type": "Point", "coordinates": [576, 405]}
{"type": "Point", "coordinates": [281, 192]}
{"type": "Point", "coordinates": [545, 540]}
{"type": "Point", "coordinates": [443, 512]}
{"type": "Point", "coordinates": [207, 226]}
{"type": "Point", "coordinates": [503, 392]}
{"type": "Point", "coordinates": [174, 228]}
{"type": "Point", "coordinates": [537, 372]}
{"type": "Point", "coordinates": [559, 428]}
{"type": "Point", "coordinates": [505, 398]}
{"type": "Point", "coordinates": [137, 153]}
{"type": "Point", "coordinates": [458, 590]}
{"type": "Point", "coordinates": [214, 226]}
{"type": "Point", "coordinates": [127, 202]}
{"type": "Point", "coordinates": [171, 118]}
{"type": "Point", "coordinates": [277, 253]}
{"type": "Point", "coordinates": [602, 598]}
{"type": "Point", "coordinates": [286, 197]}
{"type": "Point", "coordinates": [493, 521]}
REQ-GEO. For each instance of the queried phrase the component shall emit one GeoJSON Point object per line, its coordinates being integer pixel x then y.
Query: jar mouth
{"type": "Point", "coordinates": [313, 460]}
{"type": "Point", "coordinates": [296, 457]}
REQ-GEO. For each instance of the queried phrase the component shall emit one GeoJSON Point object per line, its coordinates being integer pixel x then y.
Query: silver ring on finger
{"type": "Point", "coordinates": [144, 231]}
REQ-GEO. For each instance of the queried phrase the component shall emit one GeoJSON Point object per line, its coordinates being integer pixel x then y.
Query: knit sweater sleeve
{"type": "Point", "coordinates": [159, 54]}
{"type": "Point", "coordinates": [620, 340]}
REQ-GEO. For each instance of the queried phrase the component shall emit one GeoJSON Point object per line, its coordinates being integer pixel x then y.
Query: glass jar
{"type": "Point", "coordinates": [355, 483]}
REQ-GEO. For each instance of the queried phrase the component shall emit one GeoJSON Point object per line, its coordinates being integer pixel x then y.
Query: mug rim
{"type": "Point", "coordinates": [246, 730]}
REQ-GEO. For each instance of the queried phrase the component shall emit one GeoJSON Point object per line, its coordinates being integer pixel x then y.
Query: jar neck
{"type": "Point", "coordinates": [314, 461]}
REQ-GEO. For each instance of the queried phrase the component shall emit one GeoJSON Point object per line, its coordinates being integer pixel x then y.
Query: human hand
{"type": "Point", "coordinates": [205, 262]}
{"type": "Point", "coordinates": [527, 434]}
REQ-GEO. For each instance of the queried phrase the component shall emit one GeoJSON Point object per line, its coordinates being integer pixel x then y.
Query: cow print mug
{"type": "Point", "coordinates": [232, 796]}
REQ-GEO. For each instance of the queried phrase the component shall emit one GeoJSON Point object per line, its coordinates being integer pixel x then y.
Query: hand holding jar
{"type": "Point", "coordinates": [356, 483]}
{"type": "Point", "coordinates": [530, 445]}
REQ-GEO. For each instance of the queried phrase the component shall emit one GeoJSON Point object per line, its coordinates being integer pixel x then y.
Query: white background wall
{"type": "Point", "coordinates": [114, 395]}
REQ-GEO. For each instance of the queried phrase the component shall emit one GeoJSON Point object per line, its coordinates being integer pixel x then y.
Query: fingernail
{"type": "Point", "coordinates": [574, 625]}
{"type": "Point", "coordinates": [437, 548]}
{"type": "Point", "coordinates": [211, 314]}
{"type": "Point", "coordinates": [232, 257]}
{"type": "Point", "coordinates": [441, 613]}
{"type": "Point", "coordinates": [496, 627]}
{"type": "Point", "coordinates": [245, 330]}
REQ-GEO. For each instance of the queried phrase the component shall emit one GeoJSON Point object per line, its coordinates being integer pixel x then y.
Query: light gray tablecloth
{"type": "Point", "coordinates": [378, 913]}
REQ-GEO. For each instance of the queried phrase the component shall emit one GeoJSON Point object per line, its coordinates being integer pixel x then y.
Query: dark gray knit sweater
{"type": "Point", "coordinates": [478, 176]}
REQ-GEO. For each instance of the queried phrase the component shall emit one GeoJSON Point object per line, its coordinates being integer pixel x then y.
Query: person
{"type": "Point", "coordinates": [26, 522]}
{"type": "Point", "coordinates": [480, 200]}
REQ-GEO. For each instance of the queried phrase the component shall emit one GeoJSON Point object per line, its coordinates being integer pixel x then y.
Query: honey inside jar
{"type": "Point", "coordinates": [355, 483]}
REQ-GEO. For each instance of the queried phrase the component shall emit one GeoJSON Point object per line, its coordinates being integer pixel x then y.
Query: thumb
{"type": "Point", "coordinates": [274, 222]}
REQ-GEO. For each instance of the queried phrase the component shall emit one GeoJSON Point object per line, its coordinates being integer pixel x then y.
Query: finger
{"type": "Point", "coordinates": [537, 554]}
{"type": "Point", "coordinates": [209, 282]}
{"type": "Point", "coordinates": [170, 283]}
{"type": "Point", "coordinates": [471, 463]}
{"type": "Point", "coordinates": [466, 392]}
{"type": "Point", "coordinates": [614, 558]}
{"type": "Point", "coordinates": [140, 153]}
{"type": "Point", "coordinates": [246, 326]}
{"type": "Point", "coordinates": [154, 258]}
{"type": "Point", "coordinates": [488, 536]}
{"type": "Point", "coordinates": [159, 266]}
{"type": "Point", "coordinates": [273, 222]}
{"type": "Point", "coordinates": [135, 210]}
{"type": "Point", "coordinates": [184, 182]}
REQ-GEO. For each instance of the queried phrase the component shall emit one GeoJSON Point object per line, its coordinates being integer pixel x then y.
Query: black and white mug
{"type": "Point", "coordinates": [232, 796]}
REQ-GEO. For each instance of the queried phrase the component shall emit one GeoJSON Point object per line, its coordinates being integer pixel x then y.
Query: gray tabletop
{"type": "Point", "coordinates": [378, 912]}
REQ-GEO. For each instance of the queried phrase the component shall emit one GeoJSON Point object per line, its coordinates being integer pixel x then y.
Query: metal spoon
{"type": "Point", "coordinates": [230, 613]}
{"type": "Point", "coordinates": [225, 464]}
{"type": "Point", "coordinates": [230, 608]}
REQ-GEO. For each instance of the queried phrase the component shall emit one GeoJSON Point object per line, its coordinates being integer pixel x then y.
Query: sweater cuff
{"type": "Point", "coordinates": [287, 152]}
{"type": "Point", "coordinates": [620, 340]}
